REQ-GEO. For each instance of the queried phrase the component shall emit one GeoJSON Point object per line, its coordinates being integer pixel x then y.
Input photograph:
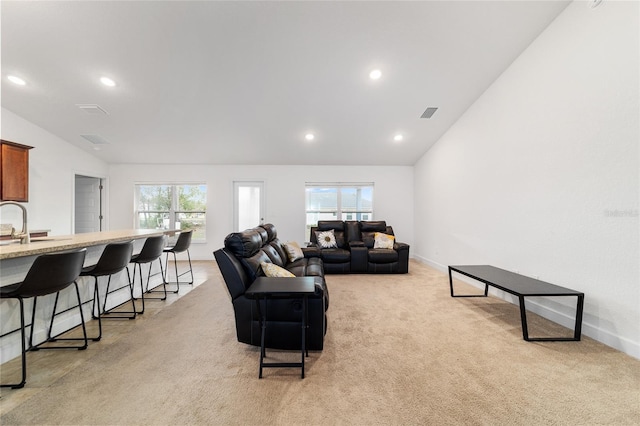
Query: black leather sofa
{"type": "Point", "coordinates": [239, 263]}
{"type": "Point", "coordinates": [355, 252]}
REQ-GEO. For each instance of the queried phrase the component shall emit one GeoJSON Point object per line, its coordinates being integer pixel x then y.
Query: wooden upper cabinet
{"type": "Point", "coordinates": [14, 171]}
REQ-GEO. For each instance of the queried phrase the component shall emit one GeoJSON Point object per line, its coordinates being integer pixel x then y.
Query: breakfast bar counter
{"type": "Point", "coordinates": [43, 245]}
{"type": "Point", "coordinates": [16, 260]}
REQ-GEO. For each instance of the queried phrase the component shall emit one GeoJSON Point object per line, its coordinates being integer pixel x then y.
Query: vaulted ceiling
{"type": "Point", "coordinates": [211, 82]}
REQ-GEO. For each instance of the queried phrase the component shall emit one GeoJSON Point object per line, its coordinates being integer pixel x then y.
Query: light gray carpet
{"type": "Point", "coordinates": [399, 351]}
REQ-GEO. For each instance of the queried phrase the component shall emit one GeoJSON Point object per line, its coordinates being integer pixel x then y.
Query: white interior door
{"type": "Point", "coordinates": [248, 204]}
{"type": "Point", "coordinates": [88, 204]}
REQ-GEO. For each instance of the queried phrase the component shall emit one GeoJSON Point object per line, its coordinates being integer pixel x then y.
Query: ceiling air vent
{"type": "Point", "coordinates": [428, 113]}
{"type": "Point", "coordinates": [92, 109]}
{"type": "Point", "coordinates": [96, 140]}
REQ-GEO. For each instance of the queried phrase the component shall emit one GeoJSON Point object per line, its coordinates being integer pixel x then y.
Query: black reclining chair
{"type": "Point", "coordinates": [239, 263]}
{"type": "Point", "coordinates": [336, 257]}
{"type": "Point", "coordinates": [365, 257]}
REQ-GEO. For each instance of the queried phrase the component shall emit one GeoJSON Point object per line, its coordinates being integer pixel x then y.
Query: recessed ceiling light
{"type": "Point", "coordinates": [107, 81]}
{"type": "Point", "coordinates": [16, 80]}
{"type": "Point", "coordinates": [309, 136]}
{"type": "Point", "coordinates": [375, 74]}
{"type": "Point", "coordinates": [398, 137]}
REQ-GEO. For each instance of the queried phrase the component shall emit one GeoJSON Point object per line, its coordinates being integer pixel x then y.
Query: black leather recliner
{"type": "Point", "coordinates": [336, 260]}
{"type": "Point", "coordinates": [239, 263]}
{"type": "Point", "coordinates": [355, 252]}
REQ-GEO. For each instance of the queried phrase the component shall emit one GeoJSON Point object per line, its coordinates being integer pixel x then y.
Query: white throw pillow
{"type": "Point", "coordinates": [271, 270]}
{"type": "Point", "coordinates": [326, 239]}
{"type": "Point", "coordinates": [294, 252]}
{"type": "Point", "coordinates": [383, 241]}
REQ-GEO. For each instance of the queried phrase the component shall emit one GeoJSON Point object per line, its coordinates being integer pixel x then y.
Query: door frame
{"type": "Point", "coordinates": [103, 199]}
{"type": "Point", "coordinates": [248, 182]}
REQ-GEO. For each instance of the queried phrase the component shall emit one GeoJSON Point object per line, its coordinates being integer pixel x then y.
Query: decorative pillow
{"type": "Point", "coordinates": [271, 270]}
{"type": "Point", "coordinates": [326, 239]}
{"type": "Point", "coordinates": [294, 252]}
{"type": "Point", "coordinates": [383, 241]}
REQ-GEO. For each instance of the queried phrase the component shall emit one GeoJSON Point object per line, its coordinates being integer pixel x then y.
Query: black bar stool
{"type": "Point", "coordinates": [114, 258]}
{"type": "Point", "coordinates": [50, 273]}
{"type": "Point", "coordinates": [182, 244]}
{"type": "Point", "coordinates": [151, 251]}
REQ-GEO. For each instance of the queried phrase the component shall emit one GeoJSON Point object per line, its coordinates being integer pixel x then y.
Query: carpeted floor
{"type": "Point", "coordinates": [399, 351]}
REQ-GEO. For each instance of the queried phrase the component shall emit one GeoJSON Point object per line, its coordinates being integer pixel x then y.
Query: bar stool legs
{"type": "Point", "coordinates": [37, 347]}
{"type": "Point", "coordinates": [23, 355]}
{"type": "Point", "coordinates": [49, 274]}
{"type": "Point", "coordinates": [175, 264]}
{"type": "Point", "coordinates": [96, 301]}
{"type": "Point", "coordinates": [56, 338]}
{"type": "Point", "coordinates": [108, 313]}
{"type": "Point", "coordinates": [151, 251]}
{"type": "Point", "coordinates": [182, 244]}
{"type": "Point", "coordinates": [145, 290]}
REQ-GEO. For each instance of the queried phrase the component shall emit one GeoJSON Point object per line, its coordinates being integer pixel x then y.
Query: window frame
{"type": "Point", "coordinates": [173, 211]}
{"type": "Point", "coordinates": [340, 210]}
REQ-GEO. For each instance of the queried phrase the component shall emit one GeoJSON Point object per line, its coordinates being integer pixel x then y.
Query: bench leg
{"type": "Point", "coordinates": [577, 331]}
{"type": "Point", "coordinates": [523, 319]}
{"type": "Point", "coordinates": [484, 294]}
{"type": "Point", "coordinates": [578, 327]}
{"type": "Point", "coordinates": [451, 283]}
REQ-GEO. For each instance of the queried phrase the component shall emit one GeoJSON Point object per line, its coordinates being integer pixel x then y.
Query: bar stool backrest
{"type": "Point", "coordinates": [114, 258]}
{"type": "Point", "coordinates": [183, 243]}
{"type": "Point", "coordinates": [51, 273]}
{"type": "Point", "coordinates": [151, 250]}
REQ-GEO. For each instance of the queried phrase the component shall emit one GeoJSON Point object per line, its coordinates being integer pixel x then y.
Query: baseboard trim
{"type": "Point", "coordinates": [547, 311]}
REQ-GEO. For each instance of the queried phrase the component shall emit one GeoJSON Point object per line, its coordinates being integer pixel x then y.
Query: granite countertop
{"type": "Point", "coordinates": [32, 232]}
{"type": "Point", "coordinates": [43, 245]}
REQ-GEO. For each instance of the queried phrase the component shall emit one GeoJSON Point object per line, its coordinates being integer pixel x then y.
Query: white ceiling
{"type": "Point", "coordinates": [242, 82]}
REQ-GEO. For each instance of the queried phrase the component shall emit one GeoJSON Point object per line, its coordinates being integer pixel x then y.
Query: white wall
{"type": "Point", "coordinates": [541, 174]}
{"type": "Point", "coordinates": [285, 195]}
{"type": "Point", "coordinates": [53, 164]}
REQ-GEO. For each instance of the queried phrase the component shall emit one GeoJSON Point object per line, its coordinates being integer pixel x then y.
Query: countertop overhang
{"type": "Point", "coordinates": [44, 245]}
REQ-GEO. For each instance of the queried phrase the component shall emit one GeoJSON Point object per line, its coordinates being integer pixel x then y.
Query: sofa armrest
{"type": "Point", "coordinates": [353, 244]}
{"type": "Point", "coordinates": [403, 257]}
{"type": "Point", "coordinates": [400, 246]}
{"type": "Point", "coordinates": [311, 251]}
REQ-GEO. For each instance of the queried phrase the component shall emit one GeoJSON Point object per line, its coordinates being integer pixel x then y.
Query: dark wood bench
{"type": "Point", "coordinates": [522, 287]}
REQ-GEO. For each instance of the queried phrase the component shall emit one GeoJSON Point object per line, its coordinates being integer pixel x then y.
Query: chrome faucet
{"type": "Point", "coordinates": [24, 235]}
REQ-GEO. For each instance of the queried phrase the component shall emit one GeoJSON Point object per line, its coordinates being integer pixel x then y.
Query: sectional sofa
{"type": "Point", "coordinates": [356, 249]}
{"type": "Point", "coordinates": [351, 247]}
